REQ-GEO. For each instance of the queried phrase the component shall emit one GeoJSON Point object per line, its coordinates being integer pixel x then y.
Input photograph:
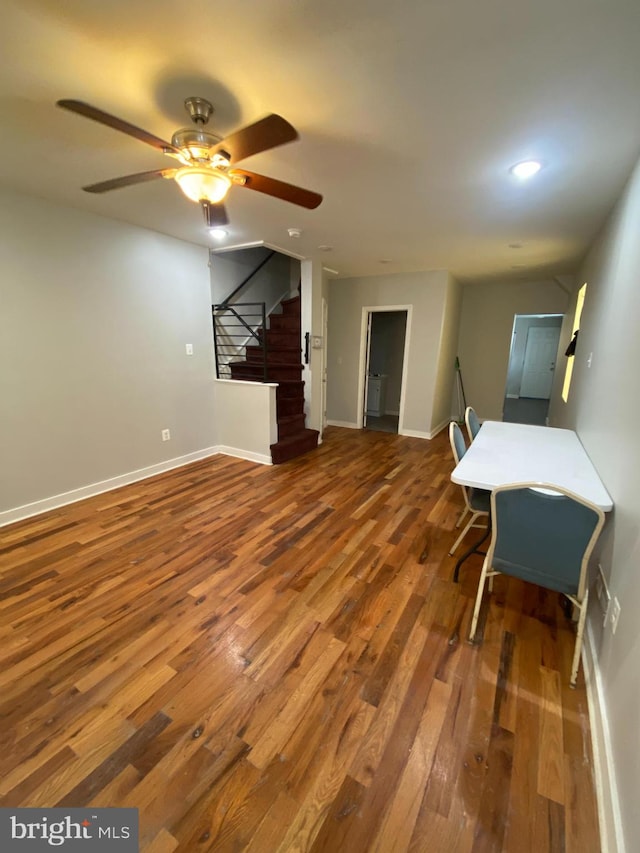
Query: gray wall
{"type": "Point", "coordinates": [446, 372]}
{"type": "Point", "coordinates": [426, 292]}
{"type": "Point", "coordinates": [95, 318]}
{"type": "Point", "coordinates": [268, 285]}
{"type": "Point", "coordinates": [604, 408]}
{"type": "Point", "coordinates": [485, 335]}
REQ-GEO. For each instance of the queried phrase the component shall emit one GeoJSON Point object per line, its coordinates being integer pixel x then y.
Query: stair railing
{"type": "Point", "coordinates": [235, 327]}
{"type": "Point", "coordinates": [246, 281]}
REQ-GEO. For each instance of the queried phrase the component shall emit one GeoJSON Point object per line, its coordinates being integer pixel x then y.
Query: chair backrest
{"type": "Point", "coordinates": [545, 537]}
{"type": "Point", "coordinates": [472, 422]}
{"type": "Point", "coordinates": [456, 439]}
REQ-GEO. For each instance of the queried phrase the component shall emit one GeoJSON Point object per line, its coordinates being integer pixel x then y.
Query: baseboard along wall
{"type": "Point", "coordinates": [19, 513]}
{"type": "Point", "coordinates": [611, 835]}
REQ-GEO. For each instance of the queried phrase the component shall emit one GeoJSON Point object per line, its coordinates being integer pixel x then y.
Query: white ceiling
{"type": "Point", "coordinates": [409, 113]}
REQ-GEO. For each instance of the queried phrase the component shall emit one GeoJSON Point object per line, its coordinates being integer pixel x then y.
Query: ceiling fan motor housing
{"type": "Point", "coordinates": [199, 109]}
{"type": "Point", "coordinates": [196, 144]}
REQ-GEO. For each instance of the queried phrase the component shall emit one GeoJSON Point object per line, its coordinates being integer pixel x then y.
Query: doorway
{"type": "Point", "coordinates": [325, 337]}
{"type": "Point", "coordinates": [384, 368]}
{"type": "Point", "coordinates": [532, 361]}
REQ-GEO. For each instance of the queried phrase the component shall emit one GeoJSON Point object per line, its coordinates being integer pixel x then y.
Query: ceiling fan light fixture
{"type": "Point", "coordinates": [200, 184]}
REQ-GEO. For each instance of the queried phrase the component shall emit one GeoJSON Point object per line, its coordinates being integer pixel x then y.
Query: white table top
{"type": "Point", "coordinates": [504, 453]}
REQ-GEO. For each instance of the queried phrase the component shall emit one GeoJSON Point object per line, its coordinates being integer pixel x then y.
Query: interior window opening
{"type": "Point", "coordinates": [576, 326]}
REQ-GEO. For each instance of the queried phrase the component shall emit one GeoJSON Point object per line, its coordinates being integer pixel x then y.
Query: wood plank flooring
{"type": "Point", "coordinates": [275, 659]}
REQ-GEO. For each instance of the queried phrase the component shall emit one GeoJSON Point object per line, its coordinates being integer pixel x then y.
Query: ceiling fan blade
{"type": "Point", "coordinates": [100, 116]}
{"type": "Point", "coordinates": [269, 132]}
{"type": "Point", "coordinates": [215, 215]}
{"type": "Point", "coordinates": [279, 189]}
{"type": "Point", "coordinates": [129, 180]}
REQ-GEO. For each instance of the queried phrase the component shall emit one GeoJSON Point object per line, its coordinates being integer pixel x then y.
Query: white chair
{"type": "Point", "coordinates": [476, 501]}
{"type": "Point", "coordinates": [544, 537]}
{"type": "Point", "coordinates": [472, 422]}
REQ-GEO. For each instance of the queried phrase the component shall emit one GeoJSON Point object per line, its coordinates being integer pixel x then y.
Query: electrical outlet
{"type": "Point", "coordinates": [166, 434]}
{"type": "Point", "coordinates": [615, 614]}
{"type": "Point", "coordinates": [188, 349]}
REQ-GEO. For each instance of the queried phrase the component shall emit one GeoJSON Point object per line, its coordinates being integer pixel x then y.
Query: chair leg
{"type": "Point", "coordinates": [578, 647]}
{"type": "Point", "coordinates": [470, 524]}
{"type": "Point", "coordinates": [462, 515]}
{"type": "Point", "coordinates": [476, 609]}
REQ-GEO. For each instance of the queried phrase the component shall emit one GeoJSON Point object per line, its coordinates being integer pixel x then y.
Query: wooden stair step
{"type": "Point", "coordinates": [275, 355]}
{"type": "Point", "coordinates": [250, 372]}
{"type": "Point", "coordinates": [278, 338]}
{"type": "Point", "coordinates": [294, 445]}
{"type": "Point", "coordinates": [287, 406]}
{"type": "Point", "coordinates": [291, 306]}
{"type": "Point", "coordinates": [288, 388]}
{"type": "Point", "coordinates": [290, 424]}
{"type": "Point", "coordinates": [284, 323]}
{"type": "Point", "coordinates": [278, 372]}
{"type": "Point", "coordinates": [275, 372]}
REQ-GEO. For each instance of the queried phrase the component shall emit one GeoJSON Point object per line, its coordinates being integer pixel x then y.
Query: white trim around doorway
{"type": "Point", "coordinates": [371, 309]}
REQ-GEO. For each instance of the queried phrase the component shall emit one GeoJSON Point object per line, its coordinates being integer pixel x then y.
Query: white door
{"type": "Point", "coordinates": [539, 361]}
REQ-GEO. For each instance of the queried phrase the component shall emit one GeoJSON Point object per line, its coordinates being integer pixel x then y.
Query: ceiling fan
{"type": "Point", "coordinates": [206, 169]}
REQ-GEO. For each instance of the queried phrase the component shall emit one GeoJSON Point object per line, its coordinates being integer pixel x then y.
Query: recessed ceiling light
{"type": "Point", "coordinates": [515, 245]}
{"type": "Point", "coordinates": [218, 233]}
{"type": "Point", "coordinates": [526, 169]}
{"type": "Point", "coordinates": [325, 248]}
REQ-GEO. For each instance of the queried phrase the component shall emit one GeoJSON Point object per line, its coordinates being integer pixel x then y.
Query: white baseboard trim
{"type": "Point", "coordinates": [513, 396]}
{"type": "Point", "coordinates": [439, 428]}
{"type": "Point", "coordinates": [410, 433]}
{"type": "Point", "coordinates": [414, 433]}
{"type": "Point", "coordinates": [611, 836]}
{"type": "Point", "coordinates": [260, 458]}
{"type": "Point", "coordinates": [19, 513]}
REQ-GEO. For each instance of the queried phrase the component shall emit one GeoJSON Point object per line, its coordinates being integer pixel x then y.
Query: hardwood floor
{"type": "Point", "coordinates": [275, 659]}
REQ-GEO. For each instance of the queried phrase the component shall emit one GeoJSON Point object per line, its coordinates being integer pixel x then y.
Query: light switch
{"type": "Point", "coordinates": [189, 349]}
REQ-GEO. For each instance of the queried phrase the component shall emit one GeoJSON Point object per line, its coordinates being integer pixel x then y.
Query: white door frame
{"type": "Point", "coordinates": [325, 332]}
{"type": "Point", "coordinates": [367, 310]}
{"type": "Point", "coordinates": [511, 364]}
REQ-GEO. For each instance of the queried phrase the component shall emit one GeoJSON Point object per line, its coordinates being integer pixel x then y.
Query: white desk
{"type": "Point", "coordinates": [504, 453]}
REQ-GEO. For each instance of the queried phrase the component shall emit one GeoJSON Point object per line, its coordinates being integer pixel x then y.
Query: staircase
{"type": "Point", "coordinates": [283, 365]}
